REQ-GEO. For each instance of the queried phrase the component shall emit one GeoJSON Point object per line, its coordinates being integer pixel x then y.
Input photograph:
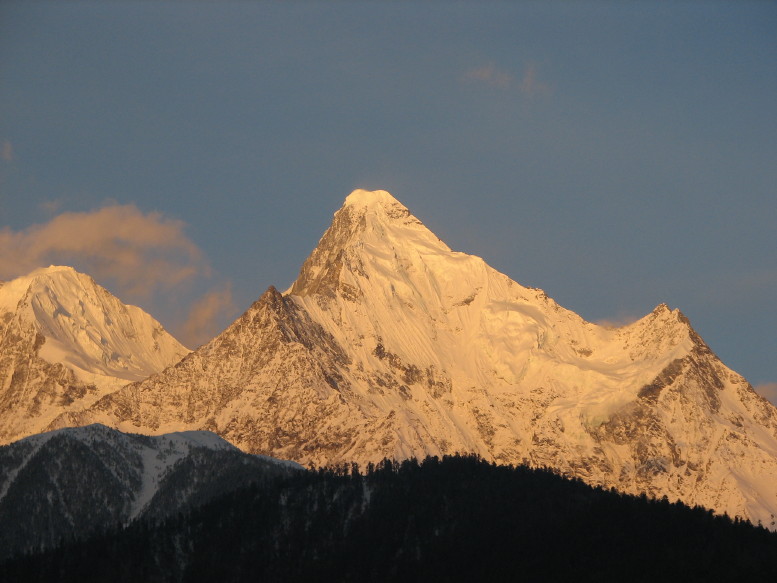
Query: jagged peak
{"type": "Point", "coordinates": [270, 294]}
{"type": "Point", "coordinates": [271, 301]}
{"type": "Point", "coordinates": [372, 218]}
{"type": "Point", "coordinates": [363, 206]}
{"type": "Point", "coordinates": [663, 311]}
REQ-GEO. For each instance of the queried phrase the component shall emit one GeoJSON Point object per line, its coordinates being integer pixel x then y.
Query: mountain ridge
{"type": "Point", "coordinates": [74, 482]}
{"type": "Point", "coordinates": [458, 518]}
{"type": "Point", "coordinates": [390, 344]}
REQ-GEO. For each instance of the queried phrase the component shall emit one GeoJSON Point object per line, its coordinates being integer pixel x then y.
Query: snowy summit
{"type": "Point", "coordinates": [360, 197]}
{"type": "Point", "coordinates": [65, 342]}
{"type": "Point", "coordinates": [390, 344]}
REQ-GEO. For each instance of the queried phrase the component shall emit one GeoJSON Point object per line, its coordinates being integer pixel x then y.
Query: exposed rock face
{"type": "Point", "coordinates": [250, 383]}
{"type": "Point", "coordinates": [64, 343]}
{"type": "Point", "coordinates": [390, 344]}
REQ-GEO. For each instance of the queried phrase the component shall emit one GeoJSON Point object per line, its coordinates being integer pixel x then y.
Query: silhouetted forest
{"type": "Point", "coordinates": [455, 519]}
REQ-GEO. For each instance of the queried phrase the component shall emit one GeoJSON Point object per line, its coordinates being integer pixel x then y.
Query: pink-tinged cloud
{"type": "Point", "coordinates": [768, 391]}
{"type": "Point", "coordinates": [618, 321]}
{"type": "Point", "coordinates": [490, 75]}
{"type": "Point", "coordinates": [206, 315]}
{"type": "Point", "coordinates": [531, 86]}
{"type": "Point", "coordinates": [138, 252]}
{"type": "Point", "coordinates": [6, 151]}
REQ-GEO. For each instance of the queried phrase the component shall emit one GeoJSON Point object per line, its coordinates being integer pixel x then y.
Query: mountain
{"type": "Point", "coordinates": [389, 344]}
{"type": "Point", "coordinates": [455, 519]}
{"type": "Point", "coordinates": [65, 342]}
{"type": "Point", "coordinates": [71, 483]}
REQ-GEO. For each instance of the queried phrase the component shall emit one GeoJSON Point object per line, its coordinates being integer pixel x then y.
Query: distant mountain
{"type": "Point", "coordinates": [65, 342]}
{"type": "Point", "coordinates": [72, 483]}
{"type": "Point", "coordinates": [389, 344]}
{"type": "Point", "coordinates": [455, 519]}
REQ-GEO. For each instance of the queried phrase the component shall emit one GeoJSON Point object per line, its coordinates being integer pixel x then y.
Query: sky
{"type": "Point", "coordinates": [187, 155]}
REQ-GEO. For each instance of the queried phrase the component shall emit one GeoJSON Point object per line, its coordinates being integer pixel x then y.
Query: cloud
{"type": "Point", "coordinates": [530, 85]}
{"type": "Point", "coordinates": [768, 391]}
{"type": "Point", "coordinates": [490, 75]}
{"type": "Point", "coordinates": [140, 253]}
{"type": "Point", "coordinates": [618, 321]}
{"type": "Point", "coordinates": [206, 314]}
{"type": "Point", "coordinates": [6, 151]}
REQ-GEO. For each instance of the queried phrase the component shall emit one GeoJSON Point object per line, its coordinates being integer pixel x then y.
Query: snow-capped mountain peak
{"type": "Point", "coordinates": [65, 342]}
{"type": "Point", "coordinates": [371, 222]}
{"type": "Point", "coordinates": [372, 198]}
{"type": "Point", "coordinates": [11, 292]}
{"type": "Point", "coordinates": [87, 328]}
{"type": "Point", "coordinates": [390, 344]}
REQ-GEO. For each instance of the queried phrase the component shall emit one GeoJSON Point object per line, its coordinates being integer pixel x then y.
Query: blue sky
{"type": "Point", "coordinates": [617, 155]}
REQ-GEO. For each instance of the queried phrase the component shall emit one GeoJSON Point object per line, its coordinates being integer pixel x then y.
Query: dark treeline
{"type": "Point", "coordinates": [455, 519]}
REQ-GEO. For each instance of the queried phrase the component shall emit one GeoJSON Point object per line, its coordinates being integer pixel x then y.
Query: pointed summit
{"type": "Point", "coordinates": [11, 292]}
{"type": "Point", "coordinates": [360, 197]}
{"type": "Point", "coordinates": [379, 205]}
{"type": "Point", "coordinates": [374, 209]}
{"type": "Point", "coordinates": [87, 328]}
{"type": "Point", "coordinates": [64, 342]}
{"type": "Point", "coordinates": [370, 223]}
